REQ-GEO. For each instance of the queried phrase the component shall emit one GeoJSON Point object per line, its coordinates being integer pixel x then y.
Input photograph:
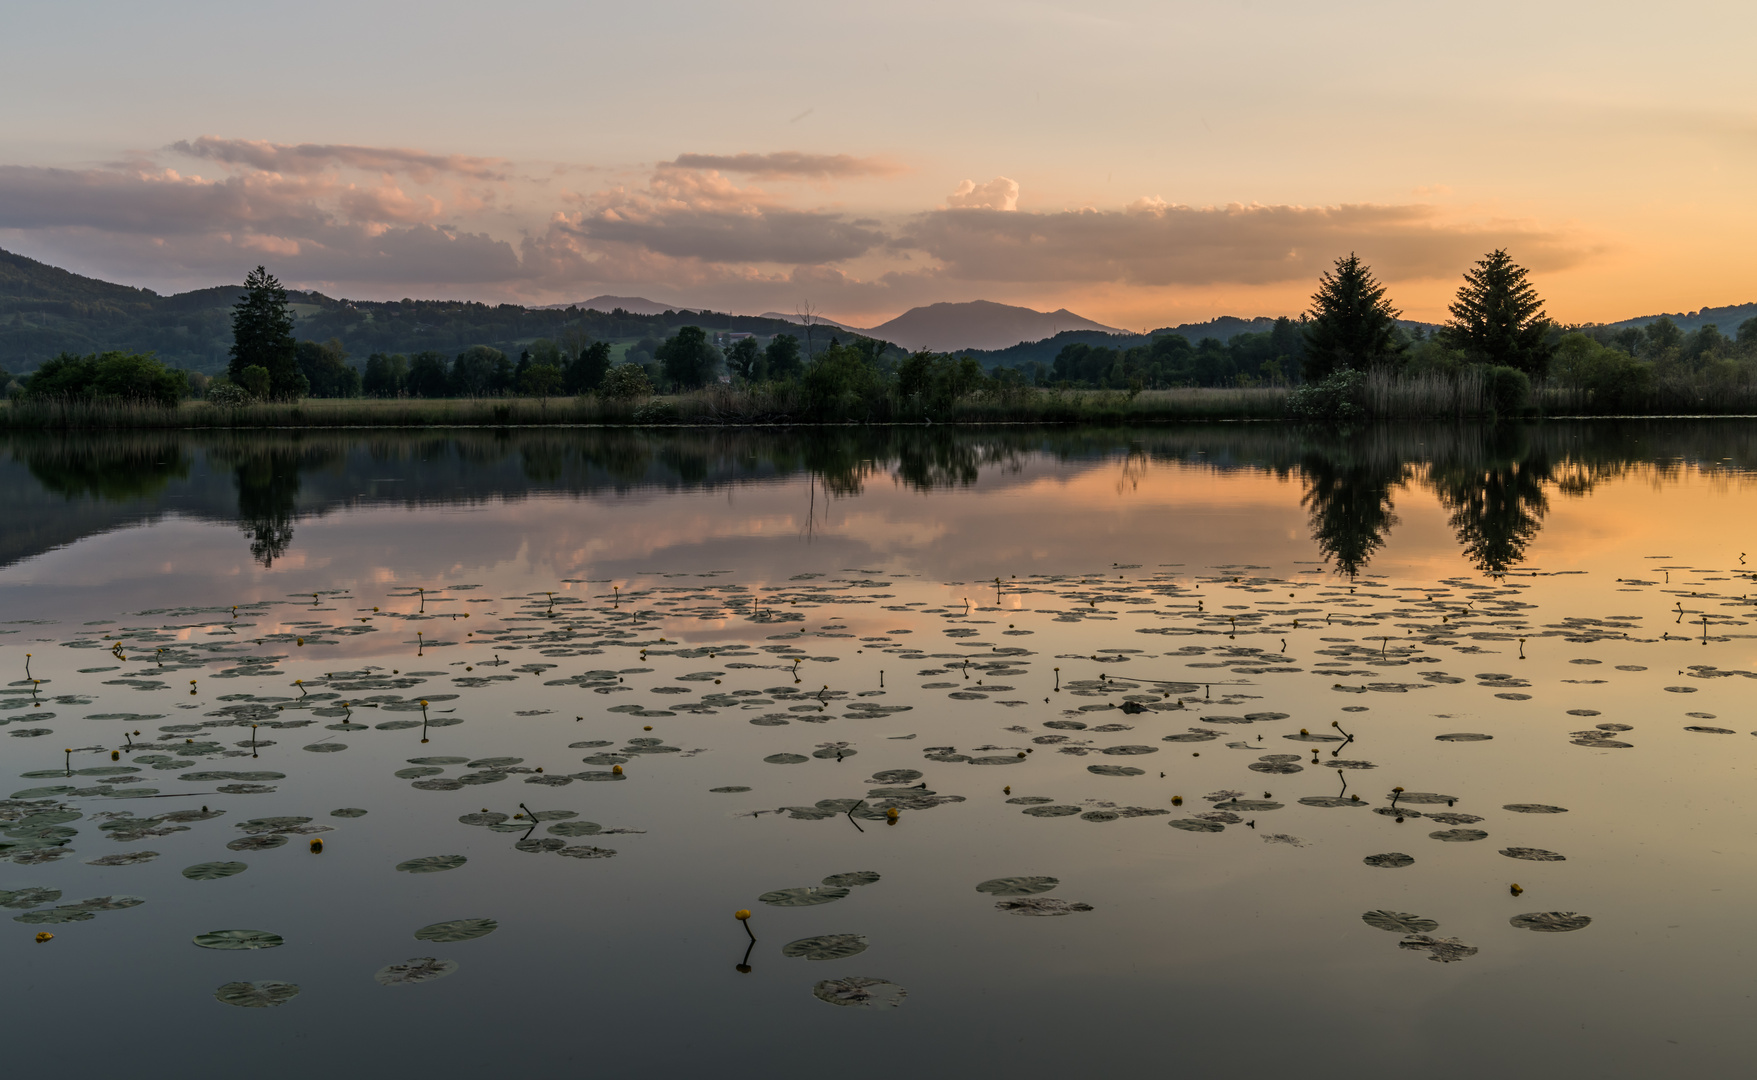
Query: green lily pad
{"type": "Point", "coordinates": [456, 930]}
{"type": "Point", "coordinates": [213, 871]}
{"type": "Point", "coordinates": [855, 877]}
{"type": "Point", "coordinates": [1115, 770]}
{"type": "Point", "coordinates": [1551, 922]}
{"type": "Point", "coordinates": [123, 858]}
{"type": "Point", "coordinates": [804, 896]}
{"type": "Point", "coordinates": [1439, 950]}
{"type": "Point", "coordinates": [1196, 825]}
{"type": "Point", "coordinates": [1399, 922]}
{"type": "Point", "coordinates": [1534, 808]}
{"type": "Point", "coordinates": [257, 995]}
{"type": "Point", "coordinates": [348, 812]}
{"type": "Point", "coordinates": [732, 789]}
{"type": "Point", "coordinates": [418, 970]}
{"type": "Point", "coordinates": [432, 864]}
{"type": "Point", "coordinates": [859, 991]}
{"type": "Point", "coordinates": [1051, 811]}
{"type": "Point", "coordinates": [1458, 836]}
{"type": "Point", "coordinates": [257, 843]}
{"type": "Point", "coordinates": [1533, 854]}
{"type": "Point", "coordinates": [575, 828]}
{"type": "Point", "coordinates": [786, 759]}
{"type": "Point", "coordinates": [326, 747]}
{"type": "Point", "coordinates": [587, 852]}
{"type": "Point", "coordinates": [1041, 905]}
{"type": "Point", "coordinates": [1391, 860]}
{"type": "Point", "coordinates": [896, 776]}
{"type": "Point", "coordinates": [28, 898]}
{"type": "Point", "coordinates": [442, 760]}
{"type": "Point", "coordinates": [826, 947]}
{"type": "Point", "coordinates": [1017, 886]}
{"type": "Point", "coordinates": [416, 772]}
{"type": "Point", "coordinates": [238, 939]}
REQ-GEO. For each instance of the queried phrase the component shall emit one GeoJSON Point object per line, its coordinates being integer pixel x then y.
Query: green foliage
{"type": "Point", "coordinates": [1498, 317]}
{"type": "Point", "coordinates": [1351, 325]}
{"type": "Point", "coordinates": [1615, 381]}
{"type": "Point", "coordinates": [1339, 398]}
{"type": "Point", "coordinates": [475, 372]}
{"type": "Point", "coordinates": [119, 376]}
{"type": "Point", "coordinates": [626, 382]}
{"type": "Point", "coordinates": [1508, 388]}
{"type": "Point", "coordinates": [327, 371]}
{"type": "Point", "coordinates": [844, 383]}
{"type": "Point", "coordinates": [254, 380]}
{"type": "Point", "coordinates": [262, 336]}
{"type": "Point", "coordinates": [935, 382]}
{"type": "Point", "coordinates": [688, 359]}
{"type": "Point", "coordinates": [541, 381]}
{"type": "Point", "coordinates": [386, 376]}
{"type": "Point", "coordinates": [744, 359]}
{"type": "Point", "coordinates": [586, 372]}
{"type": "Point", "coordinates": [227, 395]}
{"type": "Point", "coordinates": [781, 360]}
{"type": "Point", "coordinates": [428, 376]}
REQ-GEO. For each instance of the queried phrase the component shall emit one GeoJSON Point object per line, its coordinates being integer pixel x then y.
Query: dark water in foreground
{"type": "Point", "coordinates": [828, 625]}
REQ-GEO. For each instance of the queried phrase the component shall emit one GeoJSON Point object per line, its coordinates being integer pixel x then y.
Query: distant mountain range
{"type": "Point", "coordinates": [45, 310]}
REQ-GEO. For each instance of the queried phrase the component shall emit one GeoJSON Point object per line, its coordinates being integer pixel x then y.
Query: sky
{"type": "Point", "coordinates": [1140, 163]}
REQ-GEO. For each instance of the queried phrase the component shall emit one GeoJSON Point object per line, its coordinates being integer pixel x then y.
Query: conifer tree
{"type": "Point", "coordinates": [1498, 317]}
{"type": "Point", "coordinates": [262, 336]}
{"type": "Point", "coordinates": [1351, 324]}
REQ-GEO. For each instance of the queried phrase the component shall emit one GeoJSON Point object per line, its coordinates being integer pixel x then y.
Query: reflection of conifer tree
{"type": "Point", "coordinates": [268, 489]}
{"type": "Point", "coordinates": [1350, 506]}
{"type": "Point", "coordinates": [1496, 511]}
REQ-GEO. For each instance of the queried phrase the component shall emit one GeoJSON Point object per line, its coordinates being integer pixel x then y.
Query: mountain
{"type": "Point", "coordinates": [818, 319]}
{"type": "Point", "coordinates": [978, 324]}
{"type": "Point", "coordinates": [1728, 319]}
{"type": "Point", "coordinates": [634, 305]}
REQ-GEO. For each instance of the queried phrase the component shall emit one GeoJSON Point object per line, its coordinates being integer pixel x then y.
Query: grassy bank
{"type": "Point", "coordinates": [1422, 397]}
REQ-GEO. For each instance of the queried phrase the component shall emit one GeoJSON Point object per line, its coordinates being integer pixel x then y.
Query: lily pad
{"type": "Point", "coordinates": [587, 852]}
{"type": "Point", "coordinates": [238, 939]}
{"type": "Point", "coordinates": [1551, 922]}
{"type": "Point", "coordinates": [432, 864]}
{"type": "Point", "coordinates": [731, 789]}
{"type": "Point", "coordinates": [804, 896]}
{"type": "Point", "coordinates": [896, 776]}
{"type": "Point", "coordinates": [1534, 808]}
{"type": "Point", "coordinates": [28, 898]}
{"type": "Point", "coordinates": [456, 930]}
{"type": "Point", "coordinates": [257, 995]}
{"type": "Point", "coordinates": [257, 843]}
{"type": "Point", "coordinates": [1017, 886]}
{"type": "Point", "coordinates": [1391, 860]}
{"type": "Point", "coordinates": [348, 812]}
{"type": "Point", "coordinates": [1439, 950]}
{"type": "Point", "coordinates": [852, 878]}
{"type": "Point", "coordinates": [123, 858]}
{"type": "Point", "coordinates": [826, 947]}
{"type": "Point", "coordinates": [1463, 736]}
{"type": "Point", "coordinates": [1041, 905]}
{"type": "Point", "coordinates": [418, 970]}
{"type": "Point", "coordinates": [327, 747]}
{"type": "Point", "coordinates": [1114, 770]}
{"type": "Point", "coordinates": [1050, 811]}
{"type": "Point", "coordinates": [786, 759]}
{"type": "Point", "coordinates": [1458, 836]}
{"type": "Point", "coordinates": [575, 828]}
{"type": "Point", "coordinates": [859, 991]}
{"type": "Point", "coordinates": [1400, 922]}
{"type": "Point", "coordinates": [1196, 825]}
{"type": "Point", "coordinates": [1532, 854]}
{"type": "Point", "coordinates": [213, 871]}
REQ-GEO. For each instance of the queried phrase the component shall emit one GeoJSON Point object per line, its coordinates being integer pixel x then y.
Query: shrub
{"type": "Point", "coordinates": [1338, 398]}
{"type": "Point", "coordinates": [655, 412]}
{"type": "Point", "coordinates": [1508, 389]}
{"type": "Point", "coordinates": [626, 382]}
{"type": "Point", "coordinates": [225, 395]}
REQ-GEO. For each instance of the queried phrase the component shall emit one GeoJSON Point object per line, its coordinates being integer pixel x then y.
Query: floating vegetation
{"type": "Point", "coordinates": [1399, 922]}
{"type": "Point", "coordinates": [213, 871]}
{"type": "Point", "coordinates": [124, 858]}
{"type": "Point", "coordinates": [1550, 922]}
{"type": "Point", "coordinates": [1532, 854]}
{"type": "Point", "coordinates": [1115, 770]}
{"type": "Point", "coordinates": [786, 759]}
{"type": "Point", "coordinates": [1041, 905]}
{"type": "Point", "coordinates": [859, 991]}
{"type": "Point", "coordinates": [730, 790]}
{"type": "Point", "coordinates": [804, 896]}
{"type": "Point", "coordinates": [1391, 860]}
{"type": "Point", "coordinates": [238, 940]}
{"type": "Point", "coordinates": [1017, 886]}
{"type": "Point", "coordinates": [257, 843]}
{"type": "Point", "coordinates": [456, 930]}
{"type": "Point", "coordinates": [1051, 811]}
{"type": "Point", "coordinates": [431, 864]}
{"type": "Point", "coordinates": [1534, 808]}
{"type": "Point", "coordinates": [851, 879]}
{"type": "Point", "coordinates": [257, 995]}
{"type": "Point", "coordinates": [1196, 825]}
{"type": "Point", "coordinates": [1439, 950]}
{"type": "Point", "coordinates": [1463, 736]}
{"type": "Point", "coordinates": [417, 970]}
{"type": "Point", "coordinates": [586, 852]}
{"type": "Point", "coordinates": [348, 812]}
{"type": "Point", "coordinates": [826, 947]}
{"type": "Point", "coordinates": [1458, 836]}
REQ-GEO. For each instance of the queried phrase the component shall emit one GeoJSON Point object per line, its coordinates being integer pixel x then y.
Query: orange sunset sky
{"type": "Point", "coordinates": [1142, 164]}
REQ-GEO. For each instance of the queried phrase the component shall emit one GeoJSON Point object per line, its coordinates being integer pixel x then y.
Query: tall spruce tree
{"type": "Point", "coordinates": [262, 336]}
{"type": "Point", "coordinates": [1351, 324]}
{"type": "Point", "coordinates": [1498, 317]}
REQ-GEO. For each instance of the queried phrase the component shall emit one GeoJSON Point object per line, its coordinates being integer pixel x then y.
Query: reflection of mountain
{"type": "Point", "coordinates": [1495, 484]}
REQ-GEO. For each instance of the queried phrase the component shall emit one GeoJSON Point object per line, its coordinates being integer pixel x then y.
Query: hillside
{"type": "Point", "coordinates": [1728, 318]}
{"type": "Point", "coordinates": [979, 324]}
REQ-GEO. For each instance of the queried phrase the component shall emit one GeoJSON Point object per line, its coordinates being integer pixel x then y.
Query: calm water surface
{"type": "Point", "coordinates": [1031, 644]}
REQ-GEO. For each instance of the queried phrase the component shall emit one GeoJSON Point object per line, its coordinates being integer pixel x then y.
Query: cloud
{"type": "Point", "coordinates": [788, 165]}
{"type": "Point", "coordinates": [998, 194]}
{"type": "Point", "coordinates": [1154, 243]}
{"type": "Point", "coordinates": [306, 158]}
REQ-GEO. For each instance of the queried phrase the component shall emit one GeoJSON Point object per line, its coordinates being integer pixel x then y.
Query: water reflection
{"type": "Point", "coordinates": [1494, 483]}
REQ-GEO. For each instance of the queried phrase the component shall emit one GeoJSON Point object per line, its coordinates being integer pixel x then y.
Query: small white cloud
{"type": "Point", "coordinates": [998, 194]}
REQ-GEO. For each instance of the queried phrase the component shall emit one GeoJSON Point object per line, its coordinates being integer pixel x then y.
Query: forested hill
{"type": "Point", "coordinates": [45, 310]}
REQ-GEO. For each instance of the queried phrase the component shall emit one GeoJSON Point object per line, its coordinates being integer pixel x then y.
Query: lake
{"type": "Point", "coordinates": [1233, 749]}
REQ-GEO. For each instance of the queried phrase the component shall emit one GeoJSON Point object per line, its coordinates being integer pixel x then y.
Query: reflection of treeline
{"type": "Point", "coordinates": [1494, 482]}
